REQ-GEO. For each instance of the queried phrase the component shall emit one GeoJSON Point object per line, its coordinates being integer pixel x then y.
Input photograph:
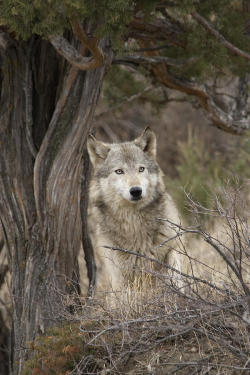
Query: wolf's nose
{"type": "Point", "coordinates": [136, 192]}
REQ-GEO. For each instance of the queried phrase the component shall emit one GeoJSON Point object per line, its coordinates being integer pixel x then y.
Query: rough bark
{"type": "Point", "coordinates": [4, 332]}
{"type": "Point", "coordinates": [46, 111]}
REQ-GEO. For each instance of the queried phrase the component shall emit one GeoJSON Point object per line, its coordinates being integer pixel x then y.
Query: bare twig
{"type": "Point", "coordinates": [234, 350]}
{"type": "Point", "coordinates": [208, 238]}
{"type": "Point", "coordinates": [125, 101]}
{"type": "Point", "coordinates": [156, 261]}
{"type": "Point", "coordinates": [202, 364]}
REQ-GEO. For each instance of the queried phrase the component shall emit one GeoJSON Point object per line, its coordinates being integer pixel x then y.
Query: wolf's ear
{"type": "Point", "coordinates": [147, 142]}
{"type": "Point", "coordinates": [98, 151]}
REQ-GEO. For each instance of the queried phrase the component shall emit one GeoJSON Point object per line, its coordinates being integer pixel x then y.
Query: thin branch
{"type": "Point", "coordinates": [127, 100]}
{"type": "Point", "coordinates": [162, 264]}
{"type": "Point", "coordinates": [200, 364]}
{"type": "Point", "coordinates": [201, 20]}
{"type": "Point", "coordinates": [209, 239]}
{"type": "Point", "coordinates": [153, 60]}
{"type": "Point", "coordinates": [223, 343]}
{"type": "Point", "coordinates": [65, 49]}
{"type": "Point", "coordinates": [164, 46]}
{"type": "Point", "coordinates": [121, 326]}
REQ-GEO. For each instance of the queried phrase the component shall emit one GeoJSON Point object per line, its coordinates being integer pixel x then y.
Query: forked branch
{"type": "Point", "coordinates": [65, 49]}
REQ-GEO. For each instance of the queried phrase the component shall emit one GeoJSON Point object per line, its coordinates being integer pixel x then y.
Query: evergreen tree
{"type": "Point", "coordinates": [53, 59]}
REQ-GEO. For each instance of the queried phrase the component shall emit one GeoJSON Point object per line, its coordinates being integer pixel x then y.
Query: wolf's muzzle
{"type": "Point", "coordinates": [136, 193]}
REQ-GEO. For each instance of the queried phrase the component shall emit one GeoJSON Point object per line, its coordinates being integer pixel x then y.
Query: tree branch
{"type": "Point", "coordinates": [161, 29]}
{"type": "Point", "coordinates": [218, 36]}
{"type": "Point", "coordinates": [125, 101]}
{"type": "Point", "coordinates": [171, 31]}
{"type": "Point", "coordinates": [164, 265]}
{"type": "Point", "coordinates": [153, 60]}
{"type": "Point", "coordinates": [90, 43]}
{"type": "Point", "coordinates": [65, 49]}
{"type": "Point", "coordinates": [220, 118]}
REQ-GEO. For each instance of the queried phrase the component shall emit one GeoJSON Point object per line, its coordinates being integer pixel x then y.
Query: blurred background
{"type": "Point", "coordinates": [196, 157]}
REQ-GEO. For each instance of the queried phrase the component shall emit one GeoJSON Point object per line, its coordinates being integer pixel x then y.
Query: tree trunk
{"type": "Point", "coordinates": [4, 332]}
{"type": "Point", "coordinates": [46, 112]}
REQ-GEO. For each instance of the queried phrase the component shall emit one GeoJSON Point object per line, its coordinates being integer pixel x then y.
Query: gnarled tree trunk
{"type": "Point", "coordinates": [46, 111]}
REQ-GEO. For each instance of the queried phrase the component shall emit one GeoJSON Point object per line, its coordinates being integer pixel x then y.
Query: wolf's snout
{"type": "Point", "coordinates": [136, 192]}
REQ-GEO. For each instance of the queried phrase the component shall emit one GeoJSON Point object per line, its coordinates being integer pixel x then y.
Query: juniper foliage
{"type": "Point", "coordinates": [45, 17]}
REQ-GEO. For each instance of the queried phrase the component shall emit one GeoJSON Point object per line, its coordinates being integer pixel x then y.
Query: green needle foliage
{"type": "Point", "coordinates": [112, 18]}
{"type": "Point", "coordinates": [44, 18]}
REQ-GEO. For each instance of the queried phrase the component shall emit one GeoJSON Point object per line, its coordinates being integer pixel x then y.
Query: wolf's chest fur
{"type": "Point", "coordinates": [132, 229]}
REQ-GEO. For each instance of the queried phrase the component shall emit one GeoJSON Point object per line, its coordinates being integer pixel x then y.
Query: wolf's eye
{"type": "Point", "coordinates": [119, 171]}
{"type": "Point", "coordinates": [141, 169]}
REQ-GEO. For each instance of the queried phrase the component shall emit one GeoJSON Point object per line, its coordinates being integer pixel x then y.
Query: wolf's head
{"type": "Point", "coordinates": [126, 172]}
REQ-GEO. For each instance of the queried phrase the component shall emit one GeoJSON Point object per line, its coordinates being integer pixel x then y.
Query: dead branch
{"type": "Point", "coordinates": [209, 239]}
{"type": "Point", "coordinates": [66, 49]}
{"type": "Point", "coordinates": [203, 363]}
{"type": "Point", "coordinates": [222, 341]}
{"type": "Point", "coordinates": [125, 101]}
{"type": "Point", "coordinates": [164, 265]}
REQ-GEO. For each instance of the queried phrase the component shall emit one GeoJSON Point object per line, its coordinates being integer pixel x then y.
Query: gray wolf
{"type": "Point", "coordinates": [127, 194]}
